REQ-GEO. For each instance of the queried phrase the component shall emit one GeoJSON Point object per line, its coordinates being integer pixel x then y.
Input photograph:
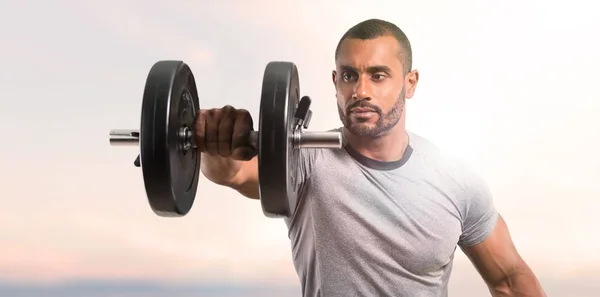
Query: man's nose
{"type": "Point", "coordinates": [362, 88]}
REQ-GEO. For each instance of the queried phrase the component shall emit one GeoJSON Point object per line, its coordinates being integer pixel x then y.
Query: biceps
{"type": "Point", "coordinates": [496, 257]}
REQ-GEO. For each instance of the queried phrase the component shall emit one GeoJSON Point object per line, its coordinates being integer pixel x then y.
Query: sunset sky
{"type": "Point", "coordinates": [506, 85]}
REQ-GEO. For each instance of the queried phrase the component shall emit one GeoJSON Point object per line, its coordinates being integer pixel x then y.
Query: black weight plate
{"type": "Point", "coordinates": [276, 157]}
{"type": "Point", "coordinates": [171, 173]}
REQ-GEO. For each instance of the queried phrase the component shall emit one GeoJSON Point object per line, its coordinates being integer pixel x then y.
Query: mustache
{"type": "Point", "coordinates": [362, 104]}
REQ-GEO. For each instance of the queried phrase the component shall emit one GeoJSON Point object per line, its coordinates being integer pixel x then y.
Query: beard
{"type": "Point", "coordinates": [385, 121]}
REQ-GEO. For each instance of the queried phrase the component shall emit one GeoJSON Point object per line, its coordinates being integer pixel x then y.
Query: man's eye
{"type": "Point", "coordinates": [378, 76]}
{"type": "Point", "coordinates": [348, 76]}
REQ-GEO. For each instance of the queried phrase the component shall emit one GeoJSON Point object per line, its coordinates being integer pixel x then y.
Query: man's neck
{"type": "Point", "coordinates": [386, 148]}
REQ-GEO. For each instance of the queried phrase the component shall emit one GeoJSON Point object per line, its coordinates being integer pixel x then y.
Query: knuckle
{"type": "Point", "coordinates": [201, 114]}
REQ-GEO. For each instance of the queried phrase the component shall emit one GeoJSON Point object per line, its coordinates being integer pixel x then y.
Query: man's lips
{"type": "Point", "coordinates": [361, 110]}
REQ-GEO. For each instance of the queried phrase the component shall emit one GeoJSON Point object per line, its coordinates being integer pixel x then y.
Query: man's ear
{"type": "Point", "coordinates": [334, 76]}
{"type": "Point", "coordinates": [410, 81]}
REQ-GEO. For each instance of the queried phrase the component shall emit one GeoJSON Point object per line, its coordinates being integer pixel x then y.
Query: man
{"type": "Point", "coordinates": [383, 216]}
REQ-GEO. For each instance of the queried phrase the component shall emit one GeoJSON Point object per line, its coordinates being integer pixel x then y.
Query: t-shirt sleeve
{"type": "Point", "coordinates": [303, 169]}
{"type": "Point", "coordinates": [480, 214]}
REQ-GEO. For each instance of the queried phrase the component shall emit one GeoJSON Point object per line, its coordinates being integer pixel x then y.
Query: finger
{"type": "Point", "coordinates": [212, 131]}
{"type": "Point", "coordinates": [241, 147]}
{"type": "Point", "coordinates": [200, 130]}
{"type": "Point", "coordinates": [224, 144]}
{"type": "Point", "coordinates": [245, 153]}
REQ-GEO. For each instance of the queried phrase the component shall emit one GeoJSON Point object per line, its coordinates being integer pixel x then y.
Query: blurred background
{"type": "Point", "coordinates": [508, 86]}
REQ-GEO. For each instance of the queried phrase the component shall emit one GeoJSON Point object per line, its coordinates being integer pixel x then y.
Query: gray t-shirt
{"type": "Point", "coordinates": [363, 227]}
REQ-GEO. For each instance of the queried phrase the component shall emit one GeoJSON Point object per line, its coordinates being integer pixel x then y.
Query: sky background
{"type": "Point", "coordinates": [509, 86]}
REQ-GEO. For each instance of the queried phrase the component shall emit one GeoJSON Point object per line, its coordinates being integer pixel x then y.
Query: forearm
{"type": "Point", "coordinates": [220, 170]}
{"type": "Point", "coordinates": [519, 283]}
{"type": "Point", "coordinates": [241, 176]}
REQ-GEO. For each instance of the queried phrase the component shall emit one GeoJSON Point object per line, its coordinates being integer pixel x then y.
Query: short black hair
{"type": "Point", "coordinates": [374, 28]}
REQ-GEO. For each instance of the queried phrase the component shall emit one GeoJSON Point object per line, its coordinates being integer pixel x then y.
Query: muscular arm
{"type": "Point", "coordinates": [487, 243]}
{"type": "Point", "coordinates": [502, 268]}
{"type": "Point", "coordinates": [241, 176]}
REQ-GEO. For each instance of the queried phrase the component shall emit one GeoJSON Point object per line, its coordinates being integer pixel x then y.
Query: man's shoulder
{"type": "Point", "coordinates": [430, 151]}
{"type": "Point", "coordinates": [310, 156]}
{"type": "Point", "coordinates": [338, 129]}
{"type": "Point", "coordinates": [443, 161]}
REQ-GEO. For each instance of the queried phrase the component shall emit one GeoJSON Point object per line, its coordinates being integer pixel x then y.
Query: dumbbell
{"type": "Point", "coordinates": [168, 156]}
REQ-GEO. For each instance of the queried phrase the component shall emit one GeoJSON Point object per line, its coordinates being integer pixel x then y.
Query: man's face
{"type": "Point", "coordinates": [371, 87]}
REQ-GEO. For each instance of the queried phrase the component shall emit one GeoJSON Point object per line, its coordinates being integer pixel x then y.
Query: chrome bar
{"type": "Point", "coordinates": [310, 139]}
{"type": "Point", "coordinates": [124, 137]}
